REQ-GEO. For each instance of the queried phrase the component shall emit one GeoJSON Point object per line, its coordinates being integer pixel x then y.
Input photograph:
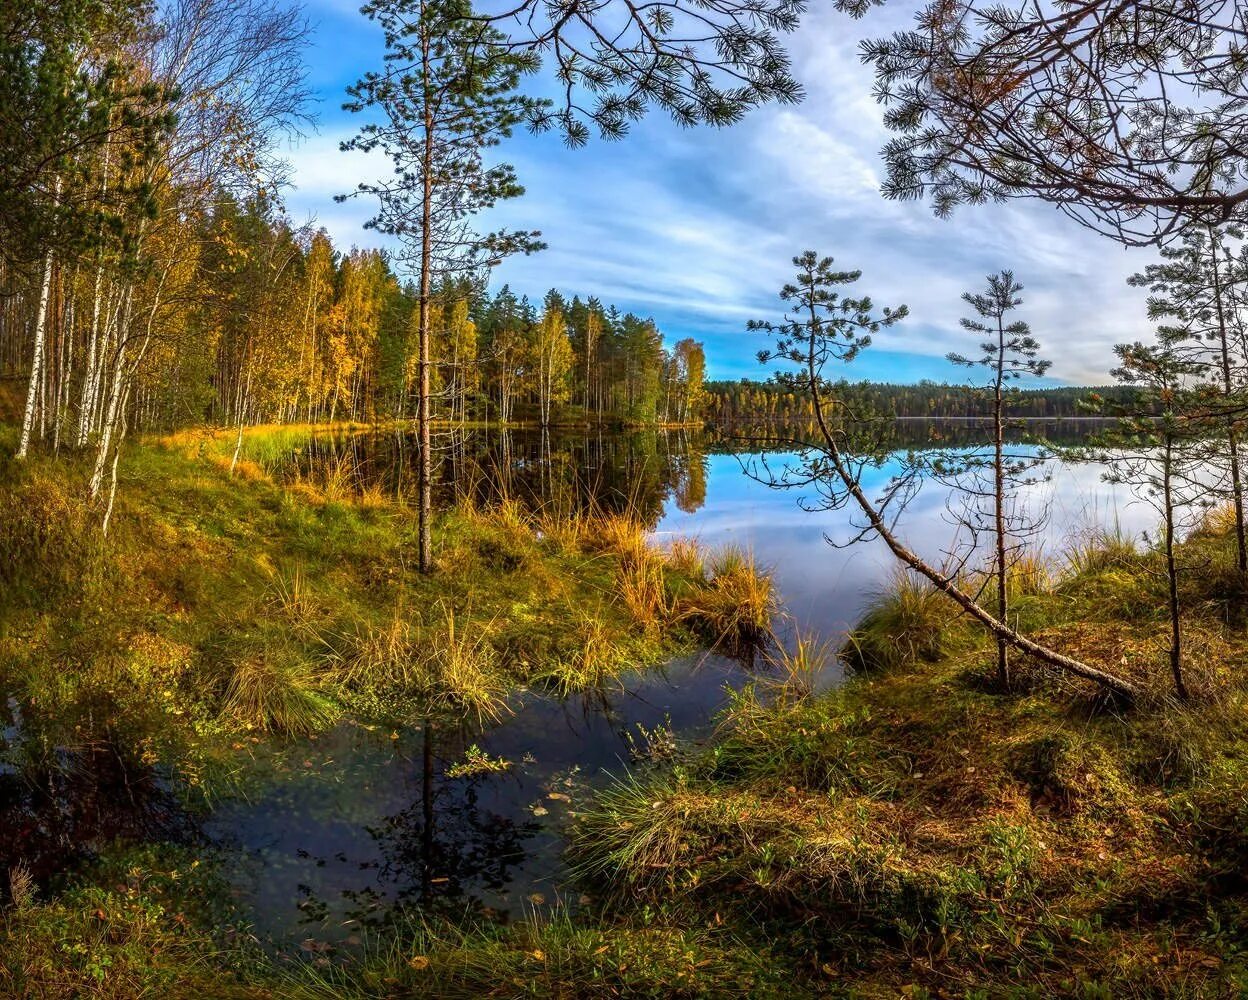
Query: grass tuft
{"type": "Point", "coordinates": [265, 693]}
{"type": "Point", "coordinates": [905, 623]}
{"type": "Point", "coordinates": [734, 608]}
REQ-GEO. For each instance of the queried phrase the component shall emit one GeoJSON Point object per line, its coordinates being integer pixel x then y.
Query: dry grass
{"type": "Point", "coordinates": [642, 587]}
{"type": "Point", "coordinates": [734, 608]}
{"type": "Point", "coordinates": [685, 556]}
{"type": "Point", "coordinates": [466, 670]}
{"type": "Point", "coordinates": [799, 666]}
{"type": "Point", "coordinates": [1100, 548]}
{"type": "Point", "coordinates": [1030, 574]}
{"type": "Point", "coordinates": [385, 656]}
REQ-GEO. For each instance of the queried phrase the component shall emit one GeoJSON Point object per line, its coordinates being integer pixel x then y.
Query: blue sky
{"type": "Point", "coordinates": [697, 227]}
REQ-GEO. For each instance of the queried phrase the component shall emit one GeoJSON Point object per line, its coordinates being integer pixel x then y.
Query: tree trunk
{"type": "Point", "coordinates": [998, 469]}
{"type": "Point", "coordinates": [1172, 575]}
{"type": "Point", "coordinates": [36, 365]}
{"type": "Point", "coordinates": [425, 557]}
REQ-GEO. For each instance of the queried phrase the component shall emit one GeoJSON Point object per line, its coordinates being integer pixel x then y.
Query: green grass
{"type": "Point", "coordinates": [906, 621]}
{"type": "Point", "coordinates": [232, 603]}
{"type": "Point", "coordinates": [148, 922]}
{"type": "Point", "coordinates": [559, 956]}
{"type": "Point", "coordinates": [913, 832]}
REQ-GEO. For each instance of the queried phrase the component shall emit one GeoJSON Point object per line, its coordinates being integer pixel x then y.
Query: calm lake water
{"type": "Point", "coordinates": [358, 824]}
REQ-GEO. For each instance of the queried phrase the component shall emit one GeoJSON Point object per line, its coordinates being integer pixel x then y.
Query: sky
{"type": "Point", "coordinates": [697, 227]}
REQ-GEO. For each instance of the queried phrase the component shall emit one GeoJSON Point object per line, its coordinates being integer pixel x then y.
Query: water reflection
{"type": "Point", "coordinates": [613, 472]}
{"type": "Point", "coordinates": [62, 802]}
{"type": "Point", "coordinates": [361, 824]}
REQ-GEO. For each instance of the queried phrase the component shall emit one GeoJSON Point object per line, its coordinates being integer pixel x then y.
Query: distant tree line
{"type": "Point", "coordinates": [270, 323]}
{"type": "Point", "coordinates": [750, 400]}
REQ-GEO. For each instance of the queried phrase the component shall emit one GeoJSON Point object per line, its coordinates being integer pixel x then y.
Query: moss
{"type": "Point", "coordinates": [145, 922]}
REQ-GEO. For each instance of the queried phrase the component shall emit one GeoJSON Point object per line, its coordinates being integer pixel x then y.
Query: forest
{"type": "Point", "coordinates": [749, 400]}
{"type": "Point", "coordinates": [375, 622]}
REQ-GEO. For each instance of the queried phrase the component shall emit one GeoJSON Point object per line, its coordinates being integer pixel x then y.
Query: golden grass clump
{"type": "Point", "coordinates": [385, 655]}
{"type": "Point", "coordinates": [265, 693]}
{"type": "Point", "coordinates": [566, 531]}
{"type": "Point", "coordinates": [799, 666]}
{"type": "Point", "coordinates": [734, 607]}
{"type": "Point", "coordinates": [642, 587]}
{"type": "Point", "coordinates": [622, 534]}
{"type": "Point", "coordinates": [1098, 549]}
{"type": "Point", "coordinates": [1029, 574]}
{"type": "Point", "coordinates": [465, 670]}
{"type": "Point", "coordinates": [594, 658]}
{"type": "Point", "coordinates": [1218, 521]}
{"type": "Point", "coordinates": [685, 556]}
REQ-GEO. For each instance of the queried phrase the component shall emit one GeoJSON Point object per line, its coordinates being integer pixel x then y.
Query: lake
{"type": "Point", "coordinates": [359, 824]}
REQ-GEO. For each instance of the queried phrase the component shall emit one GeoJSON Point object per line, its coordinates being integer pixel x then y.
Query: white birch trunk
{"type": "Point", "coordinates": [36, 368]}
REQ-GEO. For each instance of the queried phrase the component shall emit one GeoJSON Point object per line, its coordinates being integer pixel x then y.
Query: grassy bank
{"type": "Point", "coordinates": [224, 612]}
{"type": "Point", "coordinates": [917, 832]}
{"type": "Point", "coordinates": [914, 832]}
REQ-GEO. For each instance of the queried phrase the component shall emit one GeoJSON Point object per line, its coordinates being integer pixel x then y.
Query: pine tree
{"type": "Point", "coordinates": [1160, 450]}
{"type": "Point", "coordinates": [823, 327]}
{"type": "Point", "coordinates": [1194, 292]}
{"type": "Point", "coordinates": [446, 95]}
{"type": "Point", "coordinates": [1009, 352]}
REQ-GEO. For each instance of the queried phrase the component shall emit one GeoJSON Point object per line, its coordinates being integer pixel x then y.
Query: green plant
{"type": "Point", "coordinates": [734, 607]}
{"type": "Point", "coordinates": [905, 622]}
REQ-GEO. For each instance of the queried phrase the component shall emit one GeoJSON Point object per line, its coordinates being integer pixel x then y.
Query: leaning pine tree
{"type": "Point", "coordinates": [821, 328]}
{"type": "Point", "coordinates": [446, 95]}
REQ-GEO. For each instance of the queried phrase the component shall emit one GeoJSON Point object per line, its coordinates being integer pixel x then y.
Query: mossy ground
{"type": "Point", "coordinates": [225, 611]}
{"type": "Point", "coordinates": [918, 832]}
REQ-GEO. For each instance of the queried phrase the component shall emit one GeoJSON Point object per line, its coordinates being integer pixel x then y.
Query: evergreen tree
{"type": "Point", "coordinates": [1159, 450]}
{"type": "Point", "coordinates": [447, 94]}
{"type": "Point", "coordinates": [823, 327]}
{"type": "Point", "coordinates": [1194, 293]}
{"type": "Point", "coordinates": [1009, 352]}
